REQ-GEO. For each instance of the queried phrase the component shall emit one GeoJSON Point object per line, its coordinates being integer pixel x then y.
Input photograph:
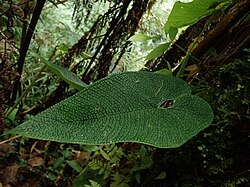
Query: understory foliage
{"type": "Point", "coordinates": [219, 155]}
{"type": "Point", "coordinates": [212, 54]}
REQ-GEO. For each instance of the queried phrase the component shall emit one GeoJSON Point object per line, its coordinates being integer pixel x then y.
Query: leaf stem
{"type": "Point", "coordinates": [186, 58]}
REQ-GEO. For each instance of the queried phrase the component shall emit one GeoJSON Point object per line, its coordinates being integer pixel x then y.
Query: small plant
{"type": "Point", "coordinates": [114, 165]}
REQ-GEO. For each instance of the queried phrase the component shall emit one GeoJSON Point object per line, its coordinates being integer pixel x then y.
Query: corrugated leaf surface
{"type": "Point", "coordinates": [143, 107]}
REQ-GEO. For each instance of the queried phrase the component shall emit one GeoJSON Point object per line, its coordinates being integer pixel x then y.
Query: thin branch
{"type": "Point", "coordinates": [10, 139]}
{"type": "Point", "coordinates": [109, 31]}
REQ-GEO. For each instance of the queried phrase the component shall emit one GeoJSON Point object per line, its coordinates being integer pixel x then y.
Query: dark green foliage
{"type": "Point", "coordinates": [219, 156]}
{"type": "Point", "coordinates": [117, 165]}
{"type": "Point", "coordinates": [125, 107]}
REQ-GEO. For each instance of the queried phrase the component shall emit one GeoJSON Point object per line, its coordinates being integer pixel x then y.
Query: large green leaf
{"type": "Point", "coordinates": [126, 107]}
{"type": "Point", "coordinates": [184, 14]}
{"type": "Point", "coordinates": [65, 75]}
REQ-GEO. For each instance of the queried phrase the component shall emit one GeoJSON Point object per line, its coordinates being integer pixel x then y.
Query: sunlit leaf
{"type": "Point", "coordinates": [172, 33]}
{"type": "Point", "coordinates": [158, 51]}
{"type": "Point", "coordinates": [139, 37]}
{"type": "Point", "coordinates": [184, 14]}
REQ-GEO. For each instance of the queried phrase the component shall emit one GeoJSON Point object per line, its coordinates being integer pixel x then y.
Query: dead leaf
{"type": "Point", "coordinates": [81, 156]}
{"type": "Point", "coordinates": [193, 69]}
{"type": "Point", "coordinates": [34, 148]}
{"type": "Point", "coordinates": [37, 161]}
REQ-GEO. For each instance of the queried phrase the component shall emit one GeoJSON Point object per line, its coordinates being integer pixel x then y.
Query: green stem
{"type": "Point", "coordinates": [186, 58]}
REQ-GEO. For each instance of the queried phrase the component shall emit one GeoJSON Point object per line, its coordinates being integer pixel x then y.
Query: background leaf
{"type": "Point", "coordinates": [65, 75]}
{"type": "Point", "coordinates": [164, 72]}
{"type": "Point", "coordinates": [158, 51]}
{"type": "Point", "coordinates": [74, 165]}
{"type": "Point", "coordinates": [124, 108]}
{"type": "Point", "coordinates": [172, 33]}
{"type": "Point", "coordinates": [139, 37]}
{"type": "Point", "coordinates": [184, 14]}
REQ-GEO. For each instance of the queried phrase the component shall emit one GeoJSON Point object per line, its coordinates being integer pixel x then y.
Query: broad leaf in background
{"type": "Point", "coordinates": [158, 51]}
{"type": "Point", "coordinates": [164, 72]}
{"type": "Point", "coordinates": [65, 75]}
{"type": "Point", "coordinates": [172, 33]}
{"type": "Point", "coordinates": [184, 14]}
{"type": "Point", "coordinates": [144, 107]}
{"type": "Point", "coordinates": [139, 37]}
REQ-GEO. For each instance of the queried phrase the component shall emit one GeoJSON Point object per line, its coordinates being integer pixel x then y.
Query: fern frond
{"type": "Point", "coordinates": [92, 184]}
{"type": "Point", "coordinates": [119, 180]}
{"type": "Point", "coordinates": [104, 168]}
{"type": "Point", "coordinates": [112, 153]}
{"type": "Point", "coordinates": [95, 164]}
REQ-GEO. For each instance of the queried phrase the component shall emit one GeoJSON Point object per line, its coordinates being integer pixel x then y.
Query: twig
{"type": "Point", "coordinates": [10, 139]}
